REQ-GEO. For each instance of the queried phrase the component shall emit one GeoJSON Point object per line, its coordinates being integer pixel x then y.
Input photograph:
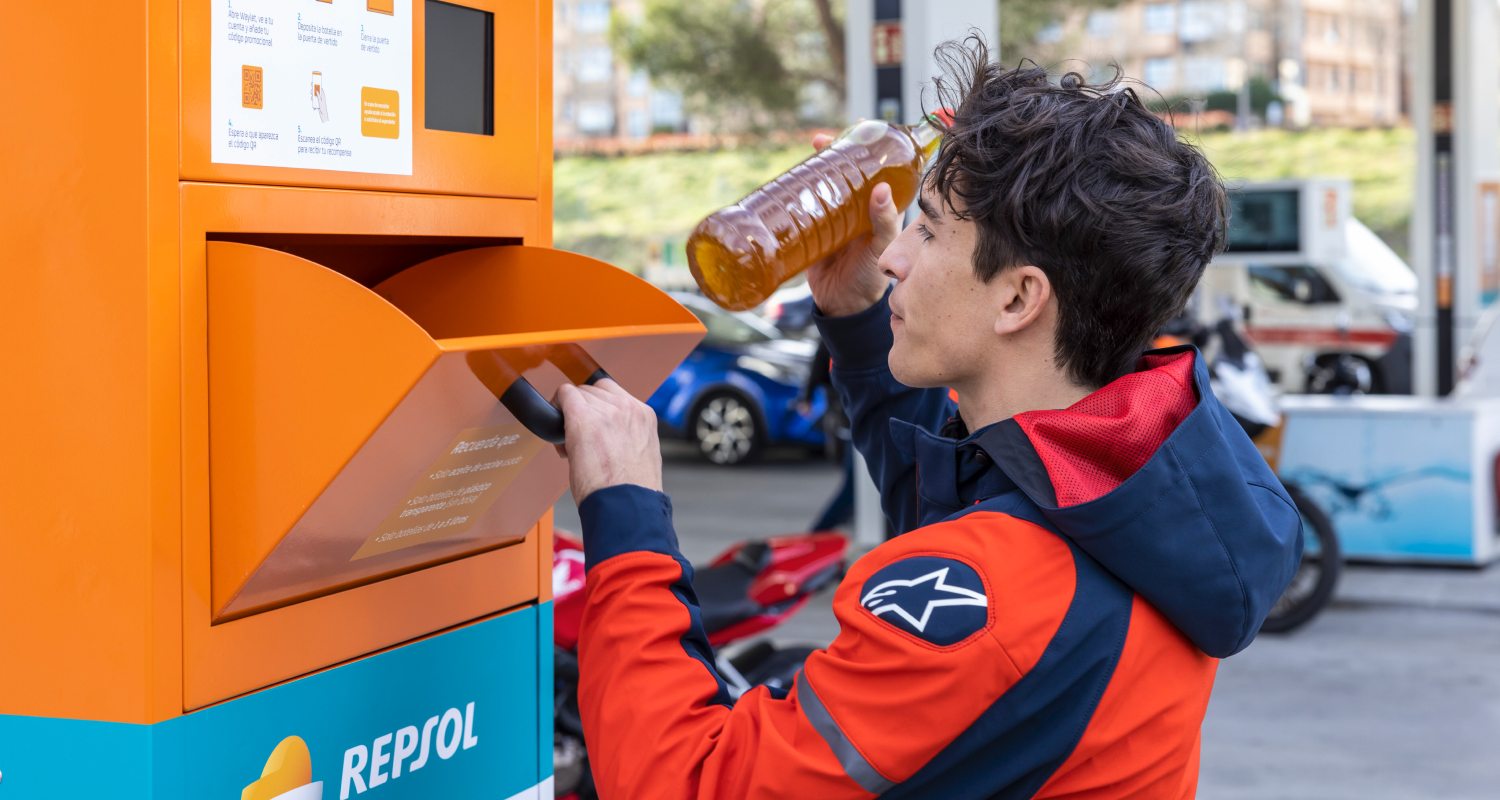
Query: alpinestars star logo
{"type": "Point", "coordinates": [937, 599]}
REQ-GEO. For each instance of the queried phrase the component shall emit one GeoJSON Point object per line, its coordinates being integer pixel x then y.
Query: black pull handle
{"type": "Point", "coordinates": [536, 412]}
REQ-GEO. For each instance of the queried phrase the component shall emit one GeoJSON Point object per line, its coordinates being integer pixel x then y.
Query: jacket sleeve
{"type": "Point", "coordinates": [872, 397]}
{"type": "Point", "coordinates": [817, 374]}
{"type": "Point", "coordinates": [863, 716]}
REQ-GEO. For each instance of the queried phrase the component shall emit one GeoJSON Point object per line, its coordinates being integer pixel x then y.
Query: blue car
{"type": "Point", "coordinates": [737, 392]}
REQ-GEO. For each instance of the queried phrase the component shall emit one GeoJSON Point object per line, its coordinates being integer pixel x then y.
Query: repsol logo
{"type": "Point", "coordinates": [407, 750]}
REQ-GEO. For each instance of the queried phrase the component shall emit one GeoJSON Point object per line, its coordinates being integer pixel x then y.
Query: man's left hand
{"type": "Point", "coordinates": [610, 439]}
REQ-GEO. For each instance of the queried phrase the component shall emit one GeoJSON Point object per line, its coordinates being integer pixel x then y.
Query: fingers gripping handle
{"type": "Point", "coordinates": [535, 412]}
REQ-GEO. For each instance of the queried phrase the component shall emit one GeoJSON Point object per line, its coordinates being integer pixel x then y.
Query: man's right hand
{"type": "Point", "coordinates": [850, 280]}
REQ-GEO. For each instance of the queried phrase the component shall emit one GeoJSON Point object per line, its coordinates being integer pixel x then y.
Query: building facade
{"type": "Point", "coordinates": [1333, 62]}
{"type": "Point", "coordinates": [595, 93]}
{"type": "Point", "coordinates": [1351, 61]}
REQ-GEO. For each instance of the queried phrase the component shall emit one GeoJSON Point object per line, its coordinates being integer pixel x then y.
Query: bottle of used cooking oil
{"type": "Point", "coordinates": [740, 254]}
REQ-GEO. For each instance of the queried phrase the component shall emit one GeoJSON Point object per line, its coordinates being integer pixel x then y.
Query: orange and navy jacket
{"type": "Point", "coordinates": [1048, 626]}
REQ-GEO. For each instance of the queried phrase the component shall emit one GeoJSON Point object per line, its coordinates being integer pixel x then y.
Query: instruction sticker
{"type": "Point", "coordinates": [314, 85]}
{"type": "Point", "coordinates": [456, 490]}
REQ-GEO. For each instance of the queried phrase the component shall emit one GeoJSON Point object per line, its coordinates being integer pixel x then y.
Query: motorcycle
{"type": "Point", "coordinates": [748, 589]}
{"type": "Point", "coordinates": [1240, 381]}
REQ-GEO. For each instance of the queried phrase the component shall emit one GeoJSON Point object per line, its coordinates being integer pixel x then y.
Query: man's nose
{"type": "Point", "coordinates": [894, 262]}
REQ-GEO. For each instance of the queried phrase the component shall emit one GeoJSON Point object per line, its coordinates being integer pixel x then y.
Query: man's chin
{"type": "Point", "coordinates": [903, 370]}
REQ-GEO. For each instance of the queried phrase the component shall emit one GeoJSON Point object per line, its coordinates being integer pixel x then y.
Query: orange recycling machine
{"type": "Point", "coordinates": [267, 529]}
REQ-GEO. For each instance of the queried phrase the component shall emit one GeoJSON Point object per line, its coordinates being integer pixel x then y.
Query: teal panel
{"type": "Point", "coordinates": [453, 716]}
{"type": "Point", "coordinates": [544, 688]}
{"type": "Point", "coordinates": [1394, 485]}
{"type": "Point", "coordinates": [50, 759]}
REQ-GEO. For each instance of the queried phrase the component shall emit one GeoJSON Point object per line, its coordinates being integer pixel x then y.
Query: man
{"type": "Point", "coordinates": [1084, 537]}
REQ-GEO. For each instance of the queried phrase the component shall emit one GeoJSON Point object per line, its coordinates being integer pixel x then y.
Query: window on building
{"type": "Point", "coordinates": [1101, 23]}
{"type": "Point", "coordinates": [593, 16]}
{"type": "Point", "coordinates": [595, 65]}
{"type": "Point", "coordinates": [1331, 30]}
{"type": "Point", "coordinates": [596, 118]}
{"type": "Point", "coordinates": [638, 125]}
{"type": "Point", "coordinates": [640, 84]}
{"type": "Point", "coordinates": [666, 111]}
{"type": "Point", "coordinates": [1204, 73]}
{"type": "Point", "coordinates": [1198, 21]}
{"type": "Point", "coordinates": [1160, 74]}
{"type": "Point", "coordinates": [1160, 17]}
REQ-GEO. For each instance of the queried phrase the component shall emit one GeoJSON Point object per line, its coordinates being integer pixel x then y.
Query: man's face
{"type": "Point", "coordinates": [942, 315]}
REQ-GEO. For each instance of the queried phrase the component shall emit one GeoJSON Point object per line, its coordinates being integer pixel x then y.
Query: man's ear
{"type": "Point", "coordinates": [1023, 295]}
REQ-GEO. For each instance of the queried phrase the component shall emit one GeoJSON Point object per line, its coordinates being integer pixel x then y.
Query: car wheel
{"type": "Point", "coordinates": [727, 429]}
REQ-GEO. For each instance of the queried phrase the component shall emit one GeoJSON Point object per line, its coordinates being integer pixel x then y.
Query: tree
{"type": "Point", "coordinates": [1022, 20]}
{"type": "Point", "coordinates": [833, 31]}
{"type": "Point", "coordinates": [744, 62]}
{"type": "Point", "coordinates": [739, 61]}
{"type": "Point", "coordinates": [1262, 95]}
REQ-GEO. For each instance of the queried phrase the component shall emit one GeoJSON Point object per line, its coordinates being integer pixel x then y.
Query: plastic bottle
{"type": "Point", "coordinates": [740, 254]}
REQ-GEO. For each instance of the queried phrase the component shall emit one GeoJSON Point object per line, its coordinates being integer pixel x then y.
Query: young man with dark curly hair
{"type": "Point", "coordinates": [1085, 533]}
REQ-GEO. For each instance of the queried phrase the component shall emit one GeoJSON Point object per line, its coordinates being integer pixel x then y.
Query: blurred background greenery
{"type": "Point", "coordinates": [667, 110]}
{"type": "Point", "coordinates": [635, 211]}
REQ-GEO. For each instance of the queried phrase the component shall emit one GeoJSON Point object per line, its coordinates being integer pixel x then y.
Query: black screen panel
{"type": "Point", "coordinates": [1265, 221]}
{"type": "Point", "coordinates": [460, 69]}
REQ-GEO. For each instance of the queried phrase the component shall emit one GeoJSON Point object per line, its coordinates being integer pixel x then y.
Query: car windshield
{"type": "Point", "coordinates": [731, 328]}
{"type": "Point", "coordinates": [1372, 265]}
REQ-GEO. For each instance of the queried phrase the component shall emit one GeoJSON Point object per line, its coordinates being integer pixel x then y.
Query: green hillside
{"type": "Point", "coordinates": [627, 210]}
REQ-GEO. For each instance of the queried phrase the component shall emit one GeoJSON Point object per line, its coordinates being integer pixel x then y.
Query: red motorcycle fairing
{"type": "Point", "coordinates": [784, 572]}
{"type": "Point", "coordinates": [567, 589]}
{"type": "Point", "coordinates": [749, 588]}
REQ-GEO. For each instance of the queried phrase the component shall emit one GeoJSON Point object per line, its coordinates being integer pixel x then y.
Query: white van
{"type": "Point", "coordinates": [1327, 302]}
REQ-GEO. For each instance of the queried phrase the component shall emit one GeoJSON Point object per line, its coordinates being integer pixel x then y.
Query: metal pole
{"type": "Point", "coordinates": [869, 519]}
{"type": "Point", "coordinates": [1444, 170]}
{"type": "Point", "coordinates": [1242, 98]}
{"type": "Point", "coordinates": [892, 89]}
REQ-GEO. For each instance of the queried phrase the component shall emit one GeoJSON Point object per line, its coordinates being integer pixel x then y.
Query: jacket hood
{"type": "Point", "coordinates": [1152, 478]}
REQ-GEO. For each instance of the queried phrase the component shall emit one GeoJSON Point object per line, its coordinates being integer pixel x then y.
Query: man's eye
{"type": "Point", "coordinates": [924, 232]}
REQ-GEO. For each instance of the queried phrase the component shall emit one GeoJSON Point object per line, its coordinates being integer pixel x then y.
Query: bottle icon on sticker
{"type": "Point", "coordinates": [319, 96]}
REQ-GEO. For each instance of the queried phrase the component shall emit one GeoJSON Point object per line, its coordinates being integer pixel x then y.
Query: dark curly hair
{"type": "Point", "coordinates": [1082, 181]}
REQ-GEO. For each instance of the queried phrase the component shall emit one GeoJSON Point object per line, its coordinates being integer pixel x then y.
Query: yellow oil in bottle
{"type": "Point", "coordinates": [740, 254]}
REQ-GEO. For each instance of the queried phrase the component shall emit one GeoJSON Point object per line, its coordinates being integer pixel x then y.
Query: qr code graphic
{"type": "Point", "coordinates": [252, 87]}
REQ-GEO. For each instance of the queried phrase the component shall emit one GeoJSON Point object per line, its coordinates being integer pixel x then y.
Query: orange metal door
{"type": "Point", "coordinates": [356, 440]}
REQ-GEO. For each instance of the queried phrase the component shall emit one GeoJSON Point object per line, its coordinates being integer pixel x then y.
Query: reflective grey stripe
{"type": "Point", "coordinates": [855, 765]}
